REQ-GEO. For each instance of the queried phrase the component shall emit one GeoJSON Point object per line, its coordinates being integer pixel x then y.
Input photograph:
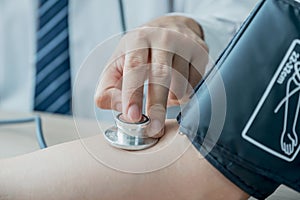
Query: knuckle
{"type": "Point", "coordinates": [133, 92]}
{"type": "Point", "coordinates": [161, 57]}
{"type": "Point", "coordinates": [136, 34]}
{"type": "Point", "coordinates": [136, 39]}
{"type": "Point", "coordinates": [140, 34]}
{"type": "Point", "coordinates": [158, 59]}
{"type": "Point", "coordinates": [161, 70]}
{"type": "Point", "coordinates": [135, 60]}
{"type": "Point", "coordinates": [165, 39]}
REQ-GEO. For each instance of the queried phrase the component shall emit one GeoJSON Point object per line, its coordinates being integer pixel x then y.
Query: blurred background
{"type": "Point", "coordinates": [44, 42]}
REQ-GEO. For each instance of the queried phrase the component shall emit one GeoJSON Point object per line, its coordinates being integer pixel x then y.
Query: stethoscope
{"type": "Point", "coordinates": [130, 136]}
{"type": "Point", "coordinates": [122, 16]}
{"type": "Point", "coordinates": [125, 135]}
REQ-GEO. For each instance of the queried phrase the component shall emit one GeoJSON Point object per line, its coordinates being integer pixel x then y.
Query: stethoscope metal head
{"type": "Point", "coordinates": [129, 136]}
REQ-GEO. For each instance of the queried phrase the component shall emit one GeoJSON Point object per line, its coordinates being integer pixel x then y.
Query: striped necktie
{"type": "Point", "coordinates": [53, 77]}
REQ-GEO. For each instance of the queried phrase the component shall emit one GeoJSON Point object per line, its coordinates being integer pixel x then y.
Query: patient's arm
{"type": "Point", "coordinates": [67, 171]}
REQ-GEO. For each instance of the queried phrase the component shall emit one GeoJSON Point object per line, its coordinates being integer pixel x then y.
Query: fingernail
{"type": "Point", "coordinates": [155, 128]}
{"type": "Point", "coordinates": [134, 113]}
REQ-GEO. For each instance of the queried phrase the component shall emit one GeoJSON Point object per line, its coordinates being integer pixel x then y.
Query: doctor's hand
{"type": "Point", "coordinates": [170, 53]}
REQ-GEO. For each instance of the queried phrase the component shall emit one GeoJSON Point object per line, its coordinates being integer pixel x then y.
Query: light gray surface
{"type": "Point", "coordinates": [20, 138]}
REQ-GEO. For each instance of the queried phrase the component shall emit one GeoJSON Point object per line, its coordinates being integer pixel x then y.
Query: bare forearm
{"type": "Point", "coordinates": [68, 171]}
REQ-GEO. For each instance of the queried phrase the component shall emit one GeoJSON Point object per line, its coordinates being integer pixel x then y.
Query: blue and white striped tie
{"type": "Point", "coordinates": [53, 77]}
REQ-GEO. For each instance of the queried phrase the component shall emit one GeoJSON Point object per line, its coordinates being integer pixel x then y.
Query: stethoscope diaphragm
{"type": "Point", "coordinates": [129, 136]}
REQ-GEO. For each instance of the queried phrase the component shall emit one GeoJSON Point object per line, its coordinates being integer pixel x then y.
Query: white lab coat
{"type": "Point", "coordinates": [91, 22]}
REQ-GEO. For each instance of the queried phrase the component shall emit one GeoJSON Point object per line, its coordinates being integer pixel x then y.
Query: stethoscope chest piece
{"type": "Point", "coordinates": [129, 136]}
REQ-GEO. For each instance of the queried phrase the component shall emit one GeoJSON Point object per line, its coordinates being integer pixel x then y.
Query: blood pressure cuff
{"type": "Point", "coordinates": [257, 146]}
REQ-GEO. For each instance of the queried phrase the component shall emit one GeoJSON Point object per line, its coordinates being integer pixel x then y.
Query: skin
{"type": "Point", "coordinates": [67, 171]}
